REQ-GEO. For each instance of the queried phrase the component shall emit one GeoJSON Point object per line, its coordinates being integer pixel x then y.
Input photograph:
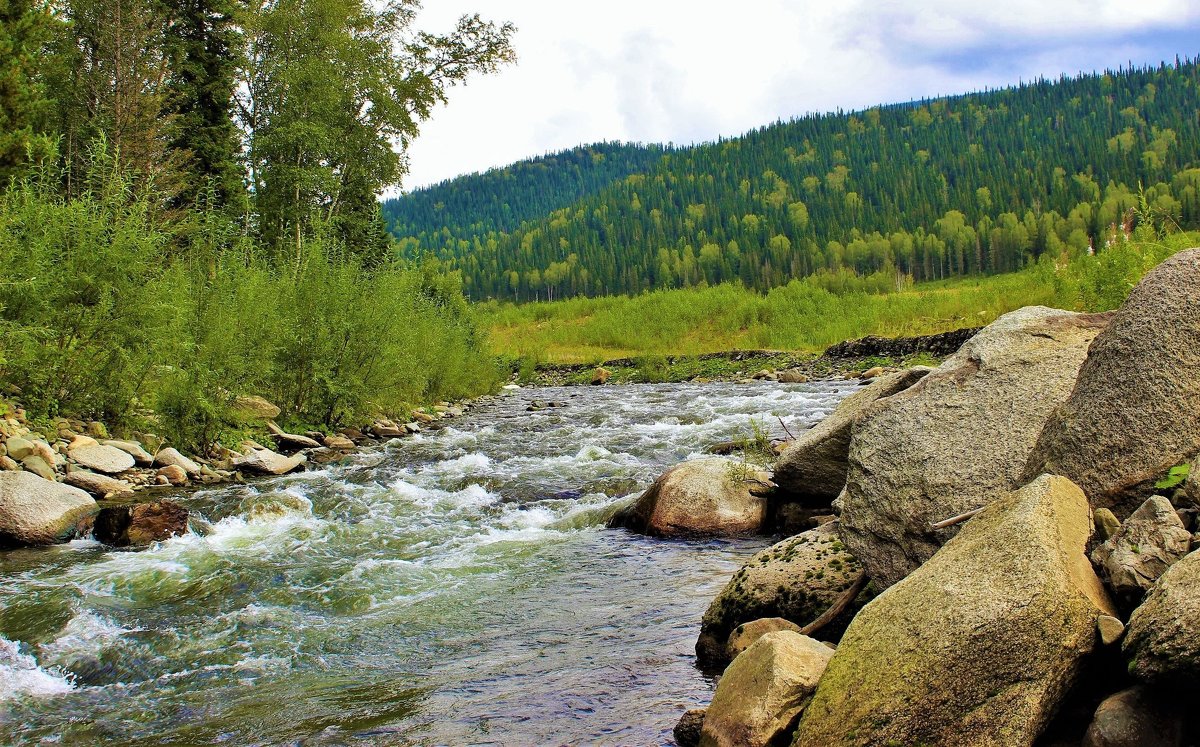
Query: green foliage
{"type": "Point", "coordinates": [101, 319]}
{"type": "Point", "coordinates": [969, 185]}
{"type": "Point", "coordinates": [24, 27]}
{"type": "Point", "coordinates": [1174, 477]}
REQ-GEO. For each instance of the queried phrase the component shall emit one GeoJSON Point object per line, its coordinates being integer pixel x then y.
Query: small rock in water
{"type": "Point", "coordinates": [171, 457]}
{"type": "Point", "coordinates": [267, 462]}
{"type": "Point", "coordinates": [140, 524]}
{"type": "Point", "coordinates": [687, 731]}
{"type": "Point", "coordinates": [173, 474]}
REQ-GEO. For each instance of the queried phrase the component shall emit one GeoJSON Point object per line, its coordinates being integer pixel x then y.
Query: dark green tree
{"type": "Point", "coordinates": [24, 29]}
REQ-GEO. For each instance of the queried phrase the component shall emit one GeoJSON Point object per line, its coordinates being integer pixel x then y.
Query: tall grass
{"type": "Point", "coordinates": [806, 315]}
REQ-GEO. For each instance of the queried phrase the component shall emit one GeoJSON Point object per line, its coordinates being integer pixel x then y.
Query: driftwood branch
{"type": "Point", "coordinates": [954, 520]}
{"type": "Point", "coordinates": [845, 600]}
{"type": "Point", "coordinates": [785, 428]}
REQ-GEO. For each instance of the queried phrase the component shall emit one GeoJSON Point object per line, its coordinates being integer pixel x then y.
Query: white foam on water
{"type": "Point", "coordinates": [85, 635]}
{"type": "Point", "coordinates": [20, 675]}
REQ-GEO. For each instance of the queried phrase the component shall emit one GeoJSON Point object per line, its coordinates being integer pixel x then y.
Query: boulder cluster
{"type": "Point", "coordinates": [1010, 555]}
{"type": "Point", "coordinates": [69, 479]}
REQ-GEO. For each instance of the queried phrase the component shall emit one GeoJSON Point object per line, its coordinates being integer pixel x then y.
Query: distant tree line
{"type": "Point", "coordinates": [965, 185]}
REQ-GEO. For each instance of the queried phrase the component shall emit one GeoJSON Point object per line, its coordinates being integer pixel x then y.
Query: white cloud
{"type": "Point", "coordinates": [666, 70]}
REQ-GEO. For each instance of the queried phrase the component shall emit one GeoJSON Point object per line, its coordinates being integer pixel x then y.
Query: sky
{"type": "Point", "coordinates": [684, 72]}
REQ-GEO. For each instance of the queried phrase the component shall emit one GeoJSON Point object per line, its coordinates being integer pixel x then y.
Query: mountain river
{"type": "Point", "coordinates": [454, 588]}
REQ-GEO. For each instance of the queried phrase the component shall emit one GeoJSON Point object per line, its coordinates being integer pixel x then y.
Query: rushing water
{"type": "Point", "coordinates": [455, 588]}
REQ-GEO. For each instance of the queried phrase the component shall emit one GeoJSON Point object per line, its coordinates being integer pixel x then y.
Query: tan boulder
{"type": "Point", "coordinates": [339, 442]}
{"type": "Point", "coordinates": [35, 511]}
{"type": "Point", "coordinates": [764, 691]}
{"type": "Point", "coordinates": [797, 579]}
{"type": "Point", "coordinates": [1161, 641]}
{"type": "Point", "coordinates": [687, 731]}
{"type": "Point", "coordinates": [100, 486]}
{"type": "Point", "coordinates": [601, 376]}
{"type": "Point", "coordinates": [744, 635]}
{"type": "Point", "coordinates": [702, 497]}
{"type": "Point", "coordinates": [141, 457]}
{"type": "Point", "coordinates": [174, 474]}
{"type": "Point", "coordinates": [267, 462]}
{"type": "Point", "coordinates": [171, 457]}
{"type": "Point", "coordinates": [979, 645]}
{"type": "Point", "coordinates": [814, 465]}
{"type": "Point", "coordinates": [86, 452]}
{"type": "Point", "coordinates": [957, 439]}
{"type": "Point", "coordinates": [1135, 411]}
{"type": "Point", "coordinates": [253, 407]}
{"type": "Point", "coordinates": [291, 440]}
{"type": "Point", "coordinates": [19, 448]}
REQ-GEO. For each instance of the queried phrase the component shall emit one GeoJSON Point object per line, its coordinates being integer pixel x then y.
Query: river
{"type": "Point", "coordinates": [454, 588]}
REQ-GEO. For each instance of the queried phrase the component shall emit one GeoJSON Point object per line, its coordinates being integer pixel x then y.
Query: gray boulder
{"type": "Point", "coordinates": [1135, 411]}
{"type": "Point", "coordinates": [267, 462]}
{"type": "Point", "coordinates": [141, 457]}
{"type": "Point", "coordinates": [957, 439]}
{"type": "Point", "coordinates": [87, 452]}
{"type": "Point", "coordinates": [36, 511]}
{"type": "Point", "coordinates": [979, 645]}
{"type": "Point", "coordinates": [814, 465]}
{"type": "Point", "coordinates": [100, 486]}
{"type": "Point", "coordinates": [1150, 541]}
{"type": "Point", "coordinates": [797, 579]}
{"type": "Point", "coordinates": [1135, 717]}
{"type": "Point", "coordinates": [1161, 642]}
{"type": "Point", "coordinates": [764, 691]}
{"type": "Point", "coordinates": [170, 457]}
{"type": "Point", "coordinates": [702, 497]}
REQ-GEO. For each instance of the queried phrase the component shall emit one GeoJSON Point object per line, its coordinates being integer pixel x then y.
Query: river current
{"type": "Point", "coordinates": [454, 588]}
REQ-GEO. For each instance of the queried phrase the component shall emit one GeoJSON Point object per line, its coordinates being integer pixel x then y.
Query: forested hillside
{"type": "Point", "coordinates": [501, 199]}
{"type": "Point", "coordinates": [979, 183]}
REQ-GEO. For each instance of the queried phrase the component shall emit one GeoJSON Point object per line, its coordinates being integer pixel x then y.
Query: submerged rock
{"type": "Point", "coordinates": [764, 691]}
{"type": "Point", "coordinates": [703, 497]}
{"type": "Point", "coordinates": [957, 439]}
{"type": "Point", "coordinates": [797, 579]}
{"type": "Point", "coordinates": [1150, 541]}
{"type": "Point", "coordinates": [140, 523]}
{"type": "Point", "coordinates": [36, 511]}
{"type": "Point", "coordinates": [1135, 411]}
{"type": "Point", "coordinates": [979, 645]}
{"type": "Point", "coordinates": [1162, 641]}
{"type": "Point", "coordinates": [814, 465]}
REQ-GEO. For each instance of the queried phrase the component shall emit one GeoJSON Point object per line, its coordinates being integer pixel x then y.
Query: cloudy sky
{"type": "Point", "coordinates": [683, 72]}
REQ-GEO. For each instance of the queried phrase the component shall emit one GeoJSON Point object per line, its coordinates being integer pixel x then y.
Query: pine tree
{"type": "Point", "coordinates": [24, 28]}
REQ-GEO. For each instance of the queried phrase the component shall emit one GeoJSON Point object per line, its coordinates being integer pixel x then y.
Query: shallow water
{"type": "Point", "coordinates": [454, 588]}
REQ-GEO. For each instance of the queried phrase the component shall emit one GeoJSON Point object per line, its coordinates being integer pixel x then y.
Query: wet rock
{"type": "Point", "coordinates": [957, 439]}
{"type": "Point", "coordinates": [255, 408]}
{"type": "Point", "coordinates": [764, 691]}
{"type": "Point", "coordinates": [88, 453]}
{"type": "Point", "coordinates": [1161, 641]}
{"type": "Point", "coordinates": [141, 457]}
{"type": "Point", "coordinates": [814, 465]}
{"type": "Point", "coordinates": [797, 579]}
{"type": "Point", "coordinates": [170, 457]}
{"type": "Point", "coordinates": [703, 497]}
{"type": "Point", "coordinates": [267, 462]}
{"type": "Point", "coordinates": [140, 523]}
{"type": "Point", "coordinates": [979, 645]}
{"type": "Point", "coordinates": [99, 486]}
{"type": "Point", "coordinates": [1150, 541]}
{"type": "Point", "coordinates": [687, 731]}
{"type": "Point", "coordinates": [173, 474]}
{"type": "Point", "coordinates": [291, 440]}
{"type": "Point", "coordinates": [744, 636]}
{"type": "Point", "coordinates": [1135, 718]}
{"type": "Point", "coordinates": [601, 376]}
{"type": "Point", "coordinates": [1135, 411]}
{"type": "Point", "coordinates": [36, 511]}
{"type": "Point", "coordinates": [387, 430]}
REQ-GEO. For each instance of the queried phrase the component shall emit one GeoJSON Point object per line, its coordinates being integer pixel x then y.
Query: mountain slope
{"type": "Point", "coordinates": [979, 183]}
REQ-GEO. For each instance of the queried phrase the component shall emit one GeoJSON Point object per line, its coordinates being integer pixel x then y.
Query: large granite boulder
{"type": "Point", "coordinates": [100, 486]}
{"type": "Point", "coordinates": [170, 457]}
{"type": "Point", "coordinates": [957, 439]}
{"type": "Point", "coordinates": [764, 691]}
{"type": "Point", "coordinates": [703, 497]}
{"type": "Point", "coordinates": [36, 511]}
{"type": "Point", "coordinates": [979, 645]}
{"type": "Point", "coordinates": [267, 462]}
{"type": "Point", "coordinates": [87, 452]}
{"type": "Point", "coordinates": [1161, 642]}
{"type": "Point", "coordinates": [797, 579]}
{"type": "Point", "coordinates": [1135, 411]}
{"type": "Point", "coordinates": [1151, 540]}
{"type": "Point", "coordinates": [814, 465]}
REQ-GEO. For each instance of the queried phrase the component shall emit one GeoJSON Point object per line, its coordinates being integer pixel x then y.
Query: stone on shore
{"type": "Point", "coordinates": [100, 486]}
{"type": "Point", "coordinates": [1151, 540]}
{"type": "Point", "coordinates": [267, 462]}
{"type": "Point", "coordinates": [979, 645]}
{"type": "Point", "coordinates": [703, 497]}
{"type": "Point", "coordinates": [141, 457]}
{"type": "Point", "coordinates": [19, 448]}
{"type": "Point", "coordinates": [1135, 411]}
{"type": "Point", "coordinates": [764, 691]}
{"type": "Point", "coordinates": [140, 523]}
{"type": "Point", "coordinates": [338, 442]}
{"type": "Point", "coordinates": [291, 440]}
{"type": "Point", "coordinates": [36, 511]}
{"type": "Point", "coordinates": [957, 439]}
{"type": "Point", "coordinates": [797, 579]}
{"type": "Point", "coordinates": [174, 474]}
{"type": "Point", "coordinates": [1161, 641]}
{"type": "Point", "coordinates": [39, 466]}
{"type": "Point", "coordinates": [171, 457]}
{"type": "Point", "coordinates": [814, 465]}
{"type": "Point", "coordinates": [744, 635]}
